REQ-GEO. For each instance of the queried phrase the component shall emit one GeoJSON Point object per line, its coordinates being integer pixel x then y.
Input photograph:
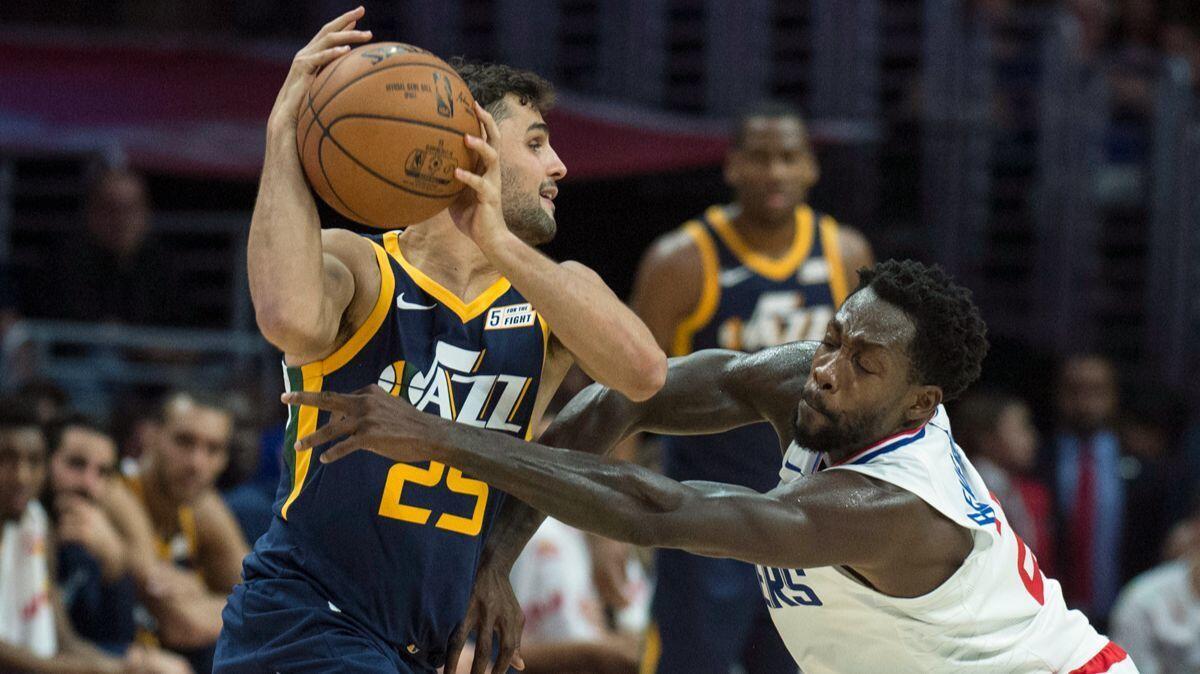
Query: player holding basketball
{"type": "Point", "coordinates": [880, 550]}
{"type": "Point", "coordinates": [368, 566]}
{"type": "Point", "coordinates": [763, 271]}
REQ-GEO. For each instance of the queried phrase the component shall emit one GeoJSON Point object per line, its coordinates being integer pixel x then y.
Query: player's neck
{"type": "Point", "coordinates": [772, 238]}
{"type": "Point", "coordinates": [438, 248]}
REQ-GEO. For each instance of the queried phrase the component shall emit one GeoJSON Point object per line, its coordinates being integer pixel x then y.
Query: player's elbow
{"type": "Point", "coordinates": [290, 328]}
{"type": "Point", "coordinates": [647, 376]}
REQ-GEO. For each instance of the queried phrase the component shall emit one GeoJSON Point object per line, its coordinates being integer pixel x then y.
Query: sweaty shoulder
{"type": "Point", "coordinates": [669, 283]}
{"type": "Point", "coordinates": [773, 380]}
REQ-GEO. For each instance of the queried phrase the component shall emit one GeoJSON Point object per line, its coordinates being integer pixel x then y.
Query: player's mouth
{"type": "Point", "coordinates": [548, 195]}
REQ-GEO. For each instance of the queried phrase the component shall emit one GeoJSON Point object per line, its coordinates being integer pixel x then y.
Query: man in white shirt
{"type": "Point", "coordinates": [1157, 616]}
{"type": "Point", "coordinates": [35, 634]}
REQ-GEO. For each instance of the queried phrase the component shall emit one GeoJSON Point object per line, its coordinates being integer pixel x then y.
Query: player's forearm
{"type": "Point", "coordinates": [285, 265]}
{"type": "Point", "coordinates": [17, 659]}
{"type": "Point", "coordinates": [614, 499]}
{"type": "Point", "coordinates": [605, 336]}
{"type": "Point", "coordinates": [188, 623]}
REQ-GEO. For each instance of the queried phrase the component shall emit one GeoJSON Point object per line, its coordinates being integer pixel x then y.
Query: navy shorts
{"type": "Point", "coordinates": [274, 625]}
{"type": "Point", "coordinates": [709, 615]}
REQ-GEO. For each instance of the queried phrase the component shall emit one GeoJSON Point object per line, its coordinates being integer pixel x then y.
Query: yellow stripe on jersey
{"type": "Point", "coordinates": [545, 354]}
{"type": "Point", "coordinates": [651, 651]}
{"type": "Point", "coordinates": [776, 269]}
{"type": "Point", "coordinates": [833, 257]}
{"type": "Point", "coordinates": [306, 423]}
{"type": "Point", "coordinates": [364, 333]}
{"type": "Point", "coordinates": [710, 292]}
{"type": "Point", "coordinates": [466, 311]}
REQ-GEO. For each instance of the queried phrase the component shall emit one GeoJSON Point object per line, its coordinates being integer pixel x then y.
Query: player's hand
{"type": "Point", "coordinates": [85, 523]}
{"type": "Point", "coordinates": [370, 419]}
{"type": "Point", "coordinates": [609, 560]}
{"type": "Point", "coordinates": [142, 660]}
{"type": "Point", "coordinates": [493, 611]}
{"type": "Point", "coordinates": [480, 214]}
{"type": "Point", "coordinates": [333, 40]}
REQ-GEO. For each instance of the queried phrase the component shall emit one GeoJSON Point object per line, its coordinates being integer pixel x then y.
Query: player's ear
{"type": "Point", "coordinates": [729, 169]}
{"type": "Point", "coordinates": [924, 403]}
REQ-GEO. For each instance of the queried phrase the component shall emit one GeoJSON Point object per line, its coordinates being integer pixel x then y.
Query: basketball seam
{"type": "Point", "coordinates": [321, 163]}
{"type": "Point", "coordinates": [410, 120]}
{"type": "Point", "coordinates": [389, 67]}
{"type": "Point", "coordinates": [312, 95]}
{"type": "Point", "coordinates": [371, 171]}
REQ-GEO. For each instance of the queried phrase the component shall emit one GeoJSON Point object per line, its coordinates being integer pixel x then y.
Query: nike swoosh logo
{"type": "Point", "coordinates": [409, 306]}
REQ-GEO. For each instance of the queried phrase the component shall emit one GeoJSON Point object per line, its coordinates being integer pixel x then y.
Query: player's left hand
{"type": "Point", "coordinates": [480, 214]}
{"type": "Point", "coordinates": [369, 419]}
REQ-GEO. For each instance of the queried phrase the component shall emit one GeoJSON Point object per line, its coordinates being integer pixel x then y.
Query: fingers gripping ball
{"type": "Point", "coordinates": [381, 131]}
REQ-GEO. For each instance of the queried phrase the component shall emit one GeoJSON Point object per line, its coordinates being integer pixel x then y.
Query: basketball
{"type": "Point", "coordinates": [380, 133]}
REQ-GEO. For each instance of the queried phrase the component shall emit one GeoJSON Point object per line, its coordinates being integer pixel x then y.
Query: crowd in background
{"type": "Point", "coordinates": [146, 515]}
{"type": "Point", "coordinates": [152, 511]}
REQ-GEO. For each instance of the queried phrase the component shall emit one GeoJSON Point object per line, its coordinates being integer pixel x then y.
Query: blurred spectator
{"type": "Point", "coordinates": [1149, 430]}
{"type": "Point", "coordinates": [1157, 618]}
{"type": "Point", "coordinates": [47, 398]}
{"type": "Point", "coordinates": [116, 271]}
{"type": "Point", "coordinates": [35, 634]}
{"type": "Point", "coordinates": [1108, 501]}
{"type": "Point", "coordinates": [996, 430]}
{"type": "Point", "coordinates": [1089, 492]}
{"type": "Point", "coordinates": [94, 556]}
{"type": "Point", "coordinates": [195, 531]}
{"type": "Point", "coordinates": [566, 627]}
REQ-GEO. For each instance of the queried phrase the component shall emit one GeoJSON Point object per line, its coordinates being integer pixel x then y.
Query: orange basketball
{"type": "Point", "coordinates": [381, 132]}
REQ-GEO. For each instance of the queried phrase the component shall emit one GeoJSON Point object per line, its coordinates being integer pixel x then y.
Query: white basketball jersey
{"type": "Point", "coordinates": [997, 613]}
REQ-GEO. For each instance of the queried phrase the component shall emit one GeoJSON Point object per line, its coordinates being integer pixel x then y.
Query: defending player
{"type": "Point", "coordinates": [368, 566]}
{"type": "Point", "coordinates": [763, 271]}
{"type": "Point", "coordinates": [880, 550]}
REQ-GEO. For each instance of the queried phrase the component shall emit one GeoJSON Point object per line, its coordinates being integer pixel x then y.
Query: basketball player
{"type": "Point", "coordinates": [763, 271]}
{"type": "Point", "coordinates": [879, 551]}
{"type": "Point", "coordinates": [367, 566]}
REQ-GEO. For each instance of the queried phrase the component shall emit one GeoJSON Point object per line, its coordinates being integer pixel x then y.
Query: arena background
{"type": "Point", "coordinates": [1047, 153]}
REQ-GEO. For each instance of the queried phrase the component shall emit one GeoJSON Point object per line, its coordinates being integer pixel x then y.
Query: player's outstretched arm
{"type": "Point", "coordinates": [835, 517]}
{"type": "Point", "coordinates": [301, 282]}
{"type": "Point", "coordinates": [606, 339]}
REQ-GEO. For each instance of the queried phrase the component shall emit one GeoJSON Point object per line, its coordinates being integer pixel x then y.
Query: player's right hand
{"type": "Point", "coordinates": [492, 610]}
{"type": "Point", "coordinates": [333, 40]}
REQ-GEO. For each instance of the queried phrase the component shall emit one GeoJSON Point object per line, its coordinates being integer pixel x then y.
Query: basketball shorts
{"type": "Point", "coordinates": [275, 625]}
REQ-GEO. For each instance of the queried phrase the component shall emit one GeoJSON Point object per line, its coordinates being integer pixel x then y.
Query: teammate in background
{"type": "Point", "coordinates": [879, 551]}
{"type": "Point", "coordinates": [193, 531]}
{"type": "Point", "coordinates": [368, 565]}
{"type": "Point", "coordinates": [35, 633]}
{"type": "Point", "coordinates": [763, 271]}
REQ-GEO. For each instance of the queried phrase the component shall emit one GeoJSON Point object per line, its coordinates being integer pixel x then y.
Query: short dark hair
{"type": "Point", "coordinates": [768, 109]}
{"type": "Point", "coordinates": [491, 82]}
{"type": "Point", "coordinates": [18, 412]}
{"type": "Point", "coordinates": [59, 425]}
{"type": "Point", "coordinates": [951, 338]}
{"type": "Point", "coordinates": [220, 401]}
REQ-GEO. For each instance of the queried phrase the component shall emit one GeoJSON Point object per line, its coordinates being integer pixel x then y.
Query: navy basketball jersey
{"type": "Point", "coordinates": [751, 302]}
{"type": "Point", "coordinates": [394, 546]}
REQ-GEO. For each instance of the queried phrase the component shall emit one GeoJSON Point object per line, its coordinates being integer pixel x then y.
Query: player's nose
{"type": "Point", "coordinates": [556, 169]}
